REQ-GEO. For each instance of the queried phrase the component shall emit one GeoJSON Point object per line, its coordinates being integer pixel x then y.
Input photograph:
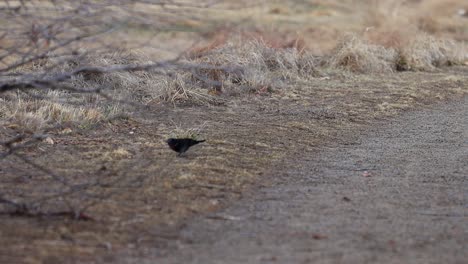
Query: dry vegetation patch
{"type": "Point", "coordinates": [356, 55]}
{"type": "Point", "coordinates": [254, 98]}
{"type": "Point", "coordinates": [258, 66]}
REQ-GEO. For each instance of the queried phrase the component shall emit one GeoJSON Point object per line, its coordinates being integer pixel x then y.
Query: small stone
{"type": "Point", "coordinates": [214, 202]}
{"type": "Point", "coordinates": [107, 245]}
{"type": "Point", "coordinates": [319, 236]}
{"type": "Point", "coordinates": [462, 12]}
{"type": "Point", "coordinates": [66, 131]}
{"type": "Point", "coordinates": [49, 141]}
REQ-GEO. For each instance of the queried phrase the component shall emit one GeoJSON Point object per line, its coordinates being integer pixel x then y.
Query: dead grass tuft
{"type": "Point", "coordinates": [357, 55]}
{"type": "Point", "coordinates": [380, 51]}
{"type": "Point", "coordinates": [119, 153]}
{"type": "Point", "coordinates": [426, 52]}
{"type": "Point", "coordinates": [220, 37]}
{"type": "Point", "coordinates": [193, 133]}
{"type": "Point", "coordinates": [419, 51]}
{"type": "Point", "coordinates": [258, 66]}
{"type": "Point", "coordinates": [32, 113]}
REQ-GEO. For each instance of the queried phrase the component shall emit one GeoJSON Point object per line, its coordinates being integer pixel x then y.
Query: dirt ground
{"type": "Point", "coordinates": [394, 192]}
{"type": "Point", "coordinates": [246, 138]}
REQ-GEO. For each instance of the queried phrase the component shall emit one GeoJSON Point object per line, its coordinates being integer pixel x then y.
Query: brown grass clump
{"type": "Point", "coordinates": [140, 86]}
{"type": "Point", "coordinates": [426, 52]}
{"type": "Point", "coordinates": [223, 36]}
{"type": "Point", "coordinates": [239, 68]}
{"type": "Point", "coordinates": [357, 55]}
{"type": "Point", "coordinates": [31, 113]}
{"type": "Point", "coordinates": [256, 65]}
{"type": "Point", "coordinates": [38, 109]}
{"type": "Point", "coordinates": [400, 52]}
{"type": "Point", "coordinates": [122, 85]}
{"type": "Point", "coordinates": [161, 85]}
{"type": "Point", "coordinates": [419, 51]}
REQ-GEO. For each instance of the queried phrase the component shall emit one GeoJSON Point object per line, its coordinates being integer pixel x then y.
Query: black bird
{"type": "Point", "coordinates": [181, 145]}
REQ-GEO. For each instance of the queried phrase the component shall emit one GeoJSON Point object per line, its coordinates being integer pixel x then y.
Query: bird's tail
{"type": "Point", "coordinates": [194, 142]}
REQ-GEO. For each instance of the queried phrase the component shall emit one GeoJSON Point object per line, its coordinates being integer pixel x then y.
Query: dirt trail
{"type": "Point", "coordinates": [395, 193]}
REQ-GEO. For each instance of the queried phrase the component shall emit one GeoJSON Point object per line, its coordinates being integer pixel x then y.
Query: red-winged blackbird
{"type": "Point", "coordinates": [181, 145]}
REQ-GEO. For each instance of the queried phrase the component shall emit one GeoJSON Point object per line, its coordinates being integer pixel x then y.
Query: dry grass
{"type": "Point", "coordinates": [181, 132]}
{"type": "Point", "coordinates": [426, 52]}
{"type": "Point", "coordinates": [36, 111]}
{"type": "Point", "coordinates": [356, 55]}
{"type": "Point", "coordinates": [246, 66]}
{"type": "Point", "coordinates": [420, 52]}
{"type": "Point", "coordinates": [410, 30]}
{"type": "Point", "coordinates": [39, 109]}
{"type": "Point", "coordinates": [259, 66]}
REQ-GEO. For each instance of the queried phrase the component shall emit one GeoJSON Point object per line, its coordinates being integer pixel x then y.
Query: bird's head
{"type": "Point", "coordinates": [171, 141]}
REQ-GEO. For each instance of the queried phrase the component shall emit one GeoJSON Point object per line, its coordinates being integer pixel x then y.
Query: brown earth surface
{"type": "Point", "coordinates": [394, 192]}
{"type": "Point", "coordinates": [246, 138]}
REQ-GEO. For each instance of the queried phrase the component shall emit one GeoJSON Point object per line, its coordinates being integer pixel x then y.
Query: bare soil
{"type": "Point", "coordinates": [394, 192]}
{"type": "Point", "coordinates": [246, 137]}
